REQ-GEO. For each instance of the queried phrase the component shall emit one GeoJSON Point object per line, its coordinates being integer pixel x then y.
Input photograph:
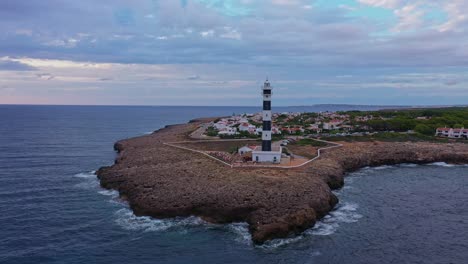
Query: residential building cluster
{"type": "Point", "coordinates": [284, 123]}
{"type": "Point", "coordinates": [321, 123]}
{"type": "Point", "coordinates": [452, 132]}
{"type": "Point", "coordinates": [247, 123]}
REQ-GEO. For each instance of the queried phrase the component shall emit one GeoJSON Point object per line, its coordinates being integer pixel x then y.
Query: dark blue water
{"type": "Point", "coordinates": [53, 211]}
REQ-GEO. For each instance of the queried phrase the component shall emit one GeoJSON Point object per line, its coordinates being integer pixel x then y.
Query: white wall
{"type": "Point", "coordinates": [267, 156]}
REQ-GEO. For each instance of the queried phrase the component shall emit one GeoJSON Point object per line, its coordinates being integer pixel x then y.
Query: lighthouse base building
{"type": "Point", "coordinates": [273, 156]}
{"type": "Point", "coordinates": [267, 153]}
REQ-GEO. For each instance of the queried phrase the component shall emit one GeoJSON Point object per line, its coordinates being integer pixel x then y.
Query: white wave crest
{"type": "Point", "coordinates": [89, 180]}
{"type": "Point", "coordinates": [275, 243]}
{"type": "Point", "coordinates": [408, 165]}
{"type": "Point", "coordinates": [442, 164]}
{"type": "Point", "coordinates": [91, 174]}
{"type": "Point", "coordinates": [384, 167]}
{"type": "Point", "coordinates": [241, 230]}
{"type": "Point", "coordinates": [345, 213]}
{"type": "Point", "coordinates": [112, 193]}
{"type": "Point", "coordinates": [129, 221]}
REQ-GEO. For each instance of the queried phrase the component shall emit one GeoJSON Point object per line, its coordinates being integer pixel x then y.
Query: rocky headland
{"type": "Point", "coordinates": [162, 181]}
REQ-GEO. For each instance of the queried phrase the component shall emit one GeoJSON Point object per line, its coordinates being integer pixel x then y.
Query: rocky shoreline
{"type": "Point", "coordinates": [163, 182]}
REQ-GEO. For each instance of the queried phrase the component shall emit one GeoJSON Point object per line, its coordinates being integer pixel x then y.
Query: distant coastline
{"type": "Point", "coordinates": [353, 106]}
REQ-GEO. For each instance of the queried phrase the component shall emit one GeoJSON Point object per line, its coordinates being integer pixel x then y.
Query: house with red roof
{"type": "Point", "coordinates": [452, 132]}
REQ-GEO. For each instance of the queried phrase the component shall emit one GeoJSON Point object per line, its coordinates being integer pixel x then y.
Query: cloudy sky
{"type": "Point", "coordinates": [214, 52]}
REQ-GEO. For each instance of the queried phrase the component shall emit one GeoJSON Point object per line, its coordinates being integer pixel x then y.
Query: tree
{"type": "Point", "coordinates": [424, 129]}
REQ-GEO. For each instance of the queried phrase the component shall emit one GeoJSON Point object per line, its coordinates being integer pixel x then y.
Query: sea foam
{"type": "Point", "coordinates": [383, 167]}
{"type": "Point", "coordinates": [112, 193]}
{"type": "Point", "coordinates": [129, 221]}
{"type": "Point", "coordinates": [408, 165]}
{"type": "Point", "coordinates": [345, 213]}
{"type": "Point", "coordinates": [442, 164]}
{"type": "Point", "coordinates": [91, 174]}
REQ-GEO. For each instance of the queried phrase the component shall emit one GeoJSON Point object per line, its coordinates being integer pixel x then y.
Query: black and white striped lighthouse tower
{"type": "Point", "coordinates": [266, 133]}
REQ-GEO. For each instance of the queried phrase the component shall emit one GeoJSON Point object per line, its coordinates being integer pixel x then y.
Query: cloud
{"type": "Point", "coordinates": [45, 76]}
{"type": "Point", "coordinates": [451, 82]}
{"type": "Point", "coordinates": [410, 17]}
{"type": "Point", "coordinates": [130, 47]}
{"type": "Point", "coordinates": [193, 77]}
{"type": "Point", "coordinates": [8, 65]}
{"type": "Point", "coordinates": [382, 3]}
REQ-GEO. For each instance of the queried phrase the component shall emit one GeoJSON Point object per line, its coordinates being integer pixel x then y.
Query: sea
{"type": "Point", "coordinates": [52, 209]}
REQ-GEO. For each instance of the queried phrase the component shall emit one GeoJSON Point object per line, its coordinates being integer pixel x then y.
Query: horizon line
{"type": "Point", "coordinates": [337, 104]}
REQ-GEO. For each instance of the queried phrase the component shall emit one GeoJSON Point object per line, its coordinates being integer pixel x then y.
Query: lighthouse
{"type": "Point", "coordinates": [266, 133]}
{"type": "Point", "coordinates": [267, 153]}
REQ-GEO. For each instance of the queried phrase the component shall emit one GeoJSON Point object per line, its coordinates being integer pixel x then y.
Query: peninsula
{"type": "Point", "coordinates": [167, 180]}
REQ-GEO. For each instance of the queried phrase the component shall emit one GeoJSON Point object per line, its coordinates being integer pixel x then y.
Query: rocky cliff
{"type": "Point", "coordinates": [161, 181]}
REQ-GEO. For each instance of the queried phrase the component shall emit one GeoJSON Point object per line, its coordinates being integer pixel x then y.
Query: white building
{"type": "Point", "coordinates": [246, 149]}
{"type": "Point", "coordinates": [333, 124]}
{"type": "Point", "coordinates": [452, 132]}
{"type": "Point", "coordinates": [244, 127]}
{"type": "Point", "coordinates": [273, 156]}
{"type": "Point", "coordinates": [229, 131]}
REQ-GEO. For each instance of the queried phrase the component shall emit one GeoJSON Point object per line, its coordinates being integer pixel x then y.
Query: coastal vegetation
{"type": "Point", "coordinates": [385, 125]}
{"type": "Point", "coordinates": [423, 121]}
{"type": "Point", "coordinates": [387, 137]}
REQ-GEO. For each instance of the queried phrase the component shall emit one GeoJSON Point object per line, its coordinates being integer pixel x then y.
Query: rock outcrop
{"type": "Point", "coordinates": [162, 181]}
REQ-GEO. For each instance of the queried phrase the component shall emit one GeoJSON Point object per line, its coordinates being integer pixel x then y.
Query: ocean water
{"type": "Point", "coordinates": [53, 211]}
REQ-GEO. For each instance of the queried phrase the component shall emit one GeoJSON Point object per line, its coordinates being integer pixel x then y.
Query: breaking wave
{"type": "Point", "coordinates": [89, 180]}
{"type": "Point", "coordinates": [111, 193]}
{"type": "Point", "coordinates": [442, 164]}
{"type": "Point", "coordinates": [241, 230]}
{"type": "Point", "coordinates": [408, 165]}
{"type": "Point", "coordinates": [126, 219]}
{"type": "Point", "coordinates": [383, 167]}
{"type": "Point", "coordinates": [275, 243]}
{"type": "Point", "coordinates": [85, 175]}
{"type": "Point", "coordinates": [129, 221]}
{"type": "Point", "coordinates": [345, 213]}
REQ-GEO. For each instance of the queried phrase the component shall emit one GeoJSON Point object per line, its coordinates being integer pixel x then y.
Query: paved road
{"type": "Point", "coordinates": [199, 133]}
